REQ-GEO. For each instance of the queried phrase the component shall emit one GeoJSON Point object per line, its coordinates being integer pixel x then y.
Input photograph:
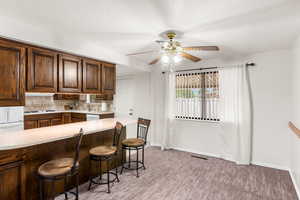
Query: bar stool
{"type": "Point", "coordinates": [106, 153]}
{"type": "Point", "coordinates": [60, 169]}
{"type": "Point", "coordinates": [136, 144]}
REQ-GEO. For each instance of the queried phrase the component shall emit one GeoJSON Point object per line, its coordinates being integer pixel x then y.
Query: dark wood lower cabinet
{"type": "Point", "coordinates": [78, 117]}
{"type": "Point", "coordinates": [56, 121]}
{"type": "Point", "coordinates": [18, 180]}
{"type": "Point", "coordinates": [13, 181]}
{"type": "Point", "coordinates": [29, 124]}
{"type": "Point", "coordinates": [66, 118]}
{"type": "Point", "coordinates": [44, 123]}
{"type": "Point", "coordinates": [109, 115]}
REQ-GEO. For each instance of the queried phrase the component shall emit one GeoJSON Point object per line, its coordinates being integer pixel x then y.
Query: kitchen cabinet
{"type": "Point", "coordinates": [78, 117]}
{"type": "Point", "coordinates": [56, 121]}
{"type": "Point", "coordinates": [91, 76]}
{"type": "Point", "coordinates": [66, 118]}
{"type": "Point", "coordinates": [109, 115]}
{"type": "Point", "coordinates": [12, 74]}
{"type": "Point", "coordinates": [29, 124]}
{"type": "Point", "coordinates": [41, 70]}
{"type": "Point", "coordinates": [70, 74]}
{"type": "Point", "coordinates": [66, 97]}
{"type": "Point", "coordinates": [108, 78]}
{"type": "Point", "coordinates": [44, 123]}
{"type": "Point", "coordinates": [52, 119]}
{"type": "Point", "coordinates": [12, 176]}
{"type": "Point", "coordinates": [105, 97]}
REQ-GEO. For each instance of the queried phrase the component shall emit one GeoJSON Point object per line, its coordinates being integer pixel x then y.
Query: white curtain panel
{"type": "Point", "coordinates": [236, 114]}
{"type": "Point", "coordinates": [169, 110]}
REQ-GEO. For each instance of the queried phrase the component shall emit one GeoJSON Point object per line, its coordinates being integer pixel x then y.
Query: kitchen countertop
{"type": "Point", "coordinates": [30, 137]}
{"type": "Point", "coordinates": [69, 111]}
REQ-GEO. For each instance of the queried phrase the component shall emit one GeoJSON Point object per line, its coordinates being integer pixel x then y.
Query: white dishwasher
{"type": "Point", "coordinates": [90, 117]}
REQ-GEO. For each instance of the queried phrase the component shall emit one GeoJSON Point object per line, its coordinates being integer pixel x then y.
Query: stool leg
{"type": "Point", "coordinates": [100, 170]}
{"type": "Point", "coordinates": [137, 162]}
{"type": "Point", "coordinates": [65, 188]}
{"type": "Point", "coordinates": [122, 160]}
{"type": "Point", "coordinates": [90, 184]}
{"type": "Point", "coordinates": [116, 167]}
{"type": "Point", "coordinates": [143, 157]}
{"type": "Point", "coordinates": [41, 189]}
{"type": "Point", "coordinates": [107, 170]}
{"type": "Point", "coordinates": [129, 158]}
{"type": "Point", "coordinates": [77, 185]}
{"type": "Point", "coordinates": [52, 189]}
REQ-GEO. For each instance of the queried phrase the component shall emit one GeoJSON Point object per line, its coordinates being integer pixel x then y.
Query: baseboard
{"type": "Point", "coordinates": [196, 152]}
{"type": "Point", "coordinates": [270, 165]}
{"type": "Point", "coordinates": [294, 183]}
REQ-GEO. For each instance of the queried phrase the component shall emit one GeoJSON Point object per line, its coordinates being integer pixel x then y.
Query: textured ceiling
{"type": "Point", "coordinates": [238, 27]}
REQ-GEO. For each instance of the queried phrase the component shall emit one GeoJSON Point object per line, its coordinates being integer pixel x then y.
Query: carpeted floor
{"type": "Point", "coordinates": [175, 175]}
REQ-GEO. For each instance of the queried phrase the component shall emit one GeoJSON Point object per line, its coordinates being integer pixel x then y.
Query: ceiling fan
{"type": "Point", "coordinates": [172, 51]}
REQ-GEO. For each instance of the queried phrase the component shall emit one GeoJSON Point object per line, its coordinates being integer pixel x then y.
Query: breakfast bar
{"type": "Point", "coordinates": [22, 152]}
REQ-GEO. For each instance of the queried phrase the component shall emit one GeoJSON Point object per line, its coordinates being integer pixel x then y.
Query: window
{"type": "Point", "coordinates": [197, 96]}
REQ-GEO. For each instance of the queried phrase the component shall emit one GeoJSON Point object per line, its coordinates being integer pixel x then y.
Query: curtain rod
{"type": "Point", "coordinates": [247, 65]}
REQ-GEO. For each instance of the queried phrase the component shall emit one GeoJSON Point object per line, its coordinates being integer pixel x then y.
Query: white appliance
{"type": "Point", "coordinates": [90, 117]}
{"type": "Point", "coordinates": [11, 119]}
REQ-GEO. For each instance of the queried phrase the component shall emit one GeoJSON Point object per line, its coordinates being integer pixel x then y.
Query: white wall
{"type": "Point", "coordinates": [133, 91]}
{"type": "Point", "coordinates": [271, 89]}
{"type": "Point", "coordinates": [295, 141]}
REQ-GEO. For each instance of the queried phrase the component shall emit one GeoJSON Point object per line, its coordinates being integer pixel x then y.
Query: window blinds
{"type": "Point", "coordinates": [197, 96]}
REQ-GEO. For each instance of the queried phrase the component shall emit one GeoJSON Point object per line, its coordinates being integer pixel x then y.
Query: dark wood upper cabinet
{"type": "Point", "coordinates": [66, 97]}
{"type": "Point", "coordinates": [41, 70]}
{"type": "Point", "coordinates": [91, 76]}
{"type": "Point", "coordinates": [108, 78]}
{"type": "Point", "coordinates": [12, 74]}
{"type": "Point", "coordinates": [70, 74]}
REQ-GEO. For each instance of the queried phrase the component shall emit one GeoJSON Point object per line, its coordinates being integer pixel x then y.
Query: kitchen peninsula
{"type": "Point", "coordinates": [22, 152]}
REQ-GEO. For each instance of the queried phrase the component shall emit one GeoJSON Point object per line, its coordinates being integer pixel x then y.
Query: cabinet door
{"type": "Point", "coordinates": [108, 78]}
{"type": "Point", "coordinates": [66, 117]}
{"type": "Point", "coordinates": [12, 179]}
{"type": "Point", "coordinates": [56, 121]}
{"type": "Point", "coordinates": [66, 97]}
{"type": "Point", "coordinates": [12, 74]}
{"type": "Point", "coordinates": [44, 123]}
{"type": "Point", "coordinates": [70, 74]}
{"type": "Point", "coordinates": [91, 76]}
{"type": "Point", "coordinates": [74, 119]}
{"type": "Point", "coordinates": [105, 116]}
{"type": "Point", "coordinates": [42, 70]}
{"type": "Point", "coordinates": [29, 124]}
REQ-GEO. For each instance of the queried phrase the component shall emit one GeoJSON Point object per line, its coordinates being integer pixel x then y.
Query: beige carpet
{"type": "Point", "coordinates": [175, 175]}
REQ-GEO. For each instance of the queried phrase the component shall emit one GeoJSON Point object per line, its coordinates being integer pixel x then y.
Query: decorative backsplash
{"type": "Point", "coordinates": [48, 103]}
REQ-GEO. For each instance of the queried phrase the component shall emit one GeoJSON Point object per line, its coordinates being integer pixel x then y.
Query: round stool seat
{"type": "Point", "coordinates": [56, 167]}
{"type": "Point", "coordinates": [103, 150]}
{"type": "Point", "coordinates": [133, 142]}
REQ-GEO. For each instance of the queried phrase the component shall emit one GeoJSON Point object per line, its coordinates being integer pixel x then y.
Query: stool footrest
{"type": "Point", "coordinates": [133, 164]}
{"type": "Point", "coordinates": [103, 181]}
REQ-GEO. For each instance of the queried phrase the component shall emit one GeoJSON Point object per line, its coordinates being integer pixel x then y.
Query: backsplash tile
{"type": "Point", "coordinates": [48, 103]}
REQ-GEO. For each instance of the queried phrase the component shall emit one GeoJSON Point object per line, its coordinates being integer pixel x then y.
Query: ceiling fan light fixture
{"type": "Point", "coordinates": [165, 59]}
{"type": "Point", "coordinates": [177, 58]}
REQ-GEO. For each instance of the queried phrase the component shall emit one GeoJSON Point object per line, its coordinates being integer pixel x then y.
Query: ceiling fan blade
{"type": "Point", "coordinates": [154, 61]}
{"type": "Point", "coordinates": [190, 57]}
{"type": "Point", "coordinates": [138, 53]}
{"type": "Point", "coordinates": [203, 48]}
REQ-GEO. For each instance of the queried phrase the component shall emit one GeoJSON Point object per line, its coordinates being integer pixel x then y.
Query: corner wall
{"type": "Point", "coordinates": [294, 140]}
